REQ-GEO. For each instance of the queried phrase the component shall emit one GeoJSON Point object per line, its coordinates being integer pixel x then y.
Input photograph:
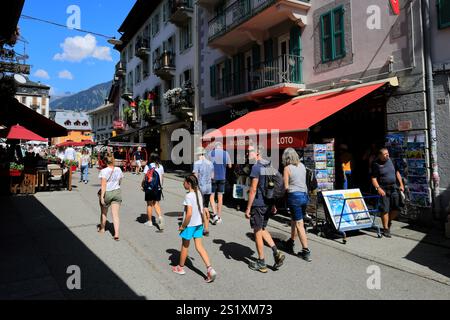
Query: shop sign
{"type": "Point", "coordinates": [395, 5]}
{"type": "Point", "coordinates": [404, 125]}
{"type": "Point", "coordinates": [118, 125]}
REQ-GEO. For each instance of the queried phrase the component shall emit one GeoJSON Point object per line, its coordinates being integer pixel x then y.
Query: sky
{"type": "Point", "coordinates": [68, 60]}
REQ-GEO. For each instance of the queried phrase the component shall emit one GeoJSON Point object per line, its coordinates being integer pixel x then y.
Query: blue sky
{"type": "Point", "coordinates": [68, 60]}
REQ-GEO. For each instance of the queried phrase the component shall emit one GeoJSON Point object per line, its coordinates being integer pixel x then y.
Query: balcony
{"type": "Point", "coordinates": [280, 76]}
{"type": "Point", "coordinates": [142, 48]}
{"type": "Point", "coordinates": [35, 107]}
{"type": "Point", "coordinates": [249, 20]}
{"type": "Point", "coordinates": [164, 65]}
{"type": "Point", "coordinates": [180, 11]}
{"type": "Point", "coordinates": [209, 4]}
{"type": "Point", "coordinates": [121, 69]}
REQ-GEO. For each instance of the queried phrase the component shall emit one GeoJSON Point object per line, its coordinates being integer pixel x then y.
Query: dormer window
{"type": "Point", "coordinates": [77, 123]}
{"type": "Point", "coordinates": [85, 124]}
{"type": "Point", "coordinates": [68, 123]}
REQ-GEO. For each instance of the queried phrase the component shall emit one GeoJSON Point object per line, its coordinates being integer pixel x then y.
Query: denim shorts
{"type": "Point", "coordinates": [192, 232]}
{"type": "Point", "coordinates": [218, 186]}
{"type": "Point", "coordinates": [297, 202]}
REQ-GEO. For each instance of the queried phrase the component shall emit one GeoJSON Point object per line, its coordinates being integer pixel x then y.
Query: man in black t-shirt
{"type": "Point", "coordinates": [138, 160]}
{"type": "Point", "coordinates": [384, 179]}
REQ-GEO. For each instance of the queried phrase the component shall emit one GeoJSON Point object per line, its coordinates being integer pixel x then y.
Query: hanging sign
{"type": "Point", "coordinates": [395, 5]}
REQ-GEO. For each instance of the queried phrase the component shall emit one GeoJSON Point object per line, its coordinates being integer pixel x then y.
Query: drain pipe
{"type": "Point", "coordinates": [430, 106]}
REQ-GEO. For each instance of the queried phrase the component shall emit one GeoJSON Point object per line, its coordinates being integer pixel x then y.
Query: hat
{"type": "Point", "coordinates": [200, 151]}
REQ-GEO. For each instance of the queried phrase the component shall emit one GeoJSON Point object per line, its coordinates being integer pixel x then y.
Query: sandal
{"type": "Point", "coordinates": [100, 229]}
{"type": "Point", "coordinates": [117, 239]}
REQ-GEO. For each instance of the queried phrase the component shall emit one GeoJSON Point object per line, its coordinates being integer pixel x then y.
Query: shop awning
{"type": "Point", "coordinates": [294, 118]}
{"type": "Point", "coordinates": [18, 132]}
{"type": "Point", "coordinates": [13, 112]}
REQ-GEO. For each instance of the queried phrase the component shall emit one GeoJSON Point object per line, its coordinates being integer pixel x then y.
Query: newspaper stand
{"type": "Point", "coordinates": [325, 224]}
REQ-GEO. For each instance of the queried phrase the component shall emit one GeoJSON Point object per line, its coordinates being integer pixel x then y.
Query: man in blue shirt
{"type": "Point", "coordinates": [221, 160]}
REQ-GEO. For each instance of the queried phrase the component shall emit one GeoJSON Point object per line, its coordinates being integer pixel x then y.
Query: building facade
{"type": "Point", "coordinates": [157, 55]}
{"type": "Point", "coordinates": [256, 53]}
{"type": "Point", "coordinates": [35, 96]}
{"type": "Point", "coordinates": [102, 120]}
{"type": "Point", "coordinates": [77, 124]}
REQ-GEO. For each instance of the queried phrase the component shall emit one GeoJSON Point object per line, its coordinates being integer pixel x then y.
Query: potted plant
{"type": "Point", "coordinates": [72, 164]}
{"type": "Point", "coordinates": [15, 170]}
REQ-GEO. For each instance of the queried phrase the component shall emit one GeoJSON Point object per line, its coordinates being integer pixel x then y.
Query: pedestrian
{"type": "Point", "coordinates": [84, 166]}
{"type": "Point", "coordinates": [70, 154]}
{"type": "Point", "coordinates": [204, 171]}
{"type": "Point", "coordinates": [388, 183]}
{"type": "Point", "coordinates": [138, 160]}
{"type": "Point", "coordinates": [153, 191]}
{"type": "Point", "coordinates": [192, 228]}
{"type": "Point", "coordinates": [294, 176]}
{"type": "Point", "coordinates": [221, 160]}
{"type": "Point", "coordinates": [110, 195]}
{"type": "Point", "coordinates": [346, 162]}
{"type": "Point", "coordinates": [259, 212]}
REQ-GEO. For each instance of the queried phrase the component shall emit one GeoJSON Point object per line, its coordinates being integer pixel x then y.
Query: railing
{"type": "Point", "coordinates": [121, 68]}
{"type": "Point", "coordinates": [236, 13]}
{"type": "Point", "coordinates": [142, 47]}
{"type": "Point", "coordinates": [283, 69]}
{"type": "Point", "coordinates": [165, 60]}
{"type": "Point", "coordinates": [180, 4]}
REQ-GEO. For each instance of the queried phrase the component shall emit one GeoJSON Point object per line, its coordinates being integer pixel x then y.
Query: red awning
{"type": "Point", "coordinates": [294, 118]}
{"type": "Point", "coordinates": [18, 132]}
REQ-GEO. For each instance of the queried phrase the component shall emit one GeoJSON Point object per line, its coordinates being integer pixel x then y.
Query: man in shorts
{"type": "Point", "coordinates": [138, 160]}
{"type": "Point", "coordinates": [384, 179]}
{"type": "Point", "coordinates": [204, 171]}
{"type": "Point", "coordinates": [259, 213]}
{"type": "Point", "coordinates": [221, 160]}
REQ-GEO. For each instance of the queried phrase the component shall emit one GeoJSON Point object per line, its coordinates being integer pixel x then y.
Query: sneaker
{"type": "Point", "coordinates": [161, 222]}
{"type": "Point", "coordinates": [289, 245]}
{"type": "Point", "coordinates": [279, 259]}
{"type": "Point", "coordinates": [219, 221]}
{"type": "Point", "coordinates": [387, 233]}
{"type": "Point", "coordinates": [148, 224]}
{"type": "Point", "coordinates": [258, 265]}
{"type": "Point", "coordinates": [179, 270]}
{"type": "Point", "coordinates": [215, 218]}
{"type": "Point", "coordinates": [211, 275]}
{"type": "Point", "coordinates": [305, 254]}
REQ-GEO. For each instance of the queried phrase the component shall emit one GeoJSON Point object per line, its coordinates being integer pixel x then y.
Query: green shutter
{"type": "Point", "coordinates": [268, 50]}
{"type": "Point", "coordinates": [443, 13]}
{"type": "Point", "coordinates": [295, 62]}
{"type": "Point", "coordinates": [338, 33]}
{"type": "Point", "coordinates": [227, 76]}
{"type": "Point", "coordinates": [325, 36]}
{"type": "Point", "coordinates": [212, 80]}
{"type": "Point", "coordinates": [237, 73]}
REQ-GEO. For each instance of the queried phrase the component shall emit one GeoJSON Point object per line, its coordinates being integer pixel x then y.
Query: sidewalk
{"type": "Point", "coordinates": [417, 252]}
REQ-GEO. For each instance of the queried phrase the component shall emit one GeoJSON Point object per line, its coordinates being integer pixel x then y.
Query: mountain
{"type": "Point", "coordinates": [85, 100]}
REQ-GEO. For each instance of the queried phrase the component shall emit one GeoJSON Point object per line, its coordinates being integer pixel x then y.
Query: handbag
{"type": "Point", "coordinates": [99, 193]}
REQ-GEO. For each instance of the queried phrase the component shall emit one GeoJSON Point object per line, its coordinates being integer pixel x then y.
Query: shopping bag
{"type": "Point", "coordinates": [240, 191]}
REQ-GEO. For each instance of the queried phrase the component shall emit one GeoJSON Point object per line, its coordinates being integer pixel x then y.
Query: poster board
{"type": "Point", "coordinates": [355, 214]}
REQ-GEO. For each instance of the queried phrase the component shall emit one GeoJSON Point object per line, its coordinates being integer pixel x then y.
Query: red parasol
{"type": "Point", "coordinates": [70, 144]}
{"type": "Point", "coordinates": [21, 133]}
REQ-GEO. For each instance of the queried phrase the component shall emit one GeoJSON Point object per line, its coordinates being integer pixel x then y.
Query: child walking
{"type": "Point", "coordinates": [192, 228]}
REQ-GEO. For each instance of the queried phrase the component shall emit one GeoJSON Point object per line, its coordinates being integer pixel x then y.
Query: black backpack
{"type": "Point", "coordinates": [152, 183]}
{"type": "Point", "coordinates": [272, 188]}
{"type": "Point", "coordinates": [311, 181]}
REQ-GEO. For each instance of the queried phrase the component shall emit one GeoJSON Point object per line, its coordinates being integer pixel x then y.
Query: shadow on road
{"type": "Point", "coordinates": [235, 251]}
{"type": "Point", "coordinates": [173, 214]}
{"type": "Point", "coordinates": [175, 260]}
{"type": "Point", "coordinates": [37, 250]}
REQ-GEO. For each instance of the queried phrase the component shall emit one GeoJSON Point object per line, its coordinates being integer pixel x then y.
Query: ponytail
{"type": "Point", "coordinates": [193, 181]}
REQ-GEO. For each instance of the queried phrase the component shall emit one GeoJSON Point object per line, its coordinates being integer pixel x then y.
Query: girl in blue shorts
{"type": "Point", "coordinates": [192, 228]}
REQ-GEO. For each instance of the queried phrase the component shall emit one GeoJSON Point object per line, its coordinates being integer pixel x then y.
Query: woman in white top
{"type": "Point", "coordinates": [110, 195]}
{"type": "Point", "coordinates": [192, 228]}
{"type": "Point", "coordinates": [84, 166]}
{"type": "Point", "coordinates": [153, 198]}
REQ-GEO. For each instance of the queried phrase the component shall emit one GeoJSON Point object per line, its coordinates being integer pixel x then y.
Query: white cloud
{"type": "Point", "coordinates": [41, 74]}
{"type": "Point", "coordinates": [65, 74]}
{"type": "Point", "coordinates": [78, 48]}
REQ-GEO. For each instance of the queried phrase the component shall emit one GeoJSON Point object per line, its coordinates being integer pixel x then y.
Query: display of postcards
{"type": "Point", "coordinates": [400, 165]}
{"type": "Point", "coordinates": [396, 152]}
{"type": "Point", "coordinates": [416, 138]}
{"type": "Point", "coordinates": [325, 186]}
{"type": "Point", "coordinates": [422, 188]}
{"type": "Point", "coordinates": [321, 174]}
{"type": "Point", "coordinates": [416, 163]}
{"type": "Point", "coordinates": [417, 171]}
{"type": "Point", "coordinates": [417, 180]}
{"type": "Point", "coordinates": [330, 155]}
{"type": "Point", "coordinates": [321, 157]}
{"type": "Point", "coordinates": [330, 147]}
{"type": "Point", "coordinates": [320, 148]}
{"type": "Point", "coordinates": [330, 171]}
{"type": "Point", "coordinates": [321, 165]}
{"type": "Point", "coordinates": [415, 150]}
{"type": "Point", "coordinates": [396, 139]}
{"type": "Point", "coordinates": [330, 163]}
{"type": "Point", "coordinates": [420, 199]}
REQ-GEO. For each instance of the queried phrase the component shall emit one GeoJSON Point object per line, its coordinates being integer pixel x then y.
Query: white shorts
{"type": "Point", "coordinates": [138, 163]}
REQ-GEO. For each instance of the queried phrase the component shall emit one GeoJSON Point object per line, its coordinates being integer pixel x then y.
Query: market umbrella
{"type": "Point", "coordinates": [88, 143]}
{"type": "Point", "coordinates": [70, 144]}
{"type": "Point", "coordinates": [18, 132]}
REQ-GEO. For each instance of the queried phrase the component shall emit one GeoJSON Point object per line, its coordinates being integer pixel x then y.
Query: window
{"type": "Point", "coordinates": [77, 123]}
{"type": "Point", "coordinates": [130, 82]}
{"type": "Point", "coordinates": [24, 100]}
{"type": "Point", "coordinates": [138, 73]}
{"type": "Point", "coordinates": [185, 77]}
{"type": "Point", "coordinates": [333, 35]}
{"type": "Point", "coordinates": [443, 13]}
{"type": "Point", "coordinates": [186, 36]}
{"type": "Point", "coordinates": [44, 101]}
{"type": "Point", "coordinates": [85, 124]}
{"type": "Point", "coordinates": [130, 51]}
{"type": "Point", "coordinates": [123, 55]}
{"type": "Point", "coordinates": [145, 68]}
{"type": "Point", "coordinates": [155, 24]}
{"type": "Point", "coordinates": [156, 60]}
{"type": "Point", "coordinates": [68, 123]}
{"type": "Point", "coordinates": [166, 11]}
{"type": "Point", "coordinates": [35, 102]}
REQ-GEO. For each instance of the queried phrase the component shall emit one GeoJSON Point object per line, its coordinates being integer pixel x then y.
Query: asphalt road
{"type": "Point", "coordinates": [63, 225]}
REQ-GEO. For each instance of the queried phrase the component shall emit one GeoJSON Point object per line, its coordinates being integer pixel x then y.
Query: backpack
{"type": "Point", "coordinates": [152, 184]}
{"type": "Point", "coordinates": [311, 181]}
{"type": "Point", "coordinates": [272, 188]}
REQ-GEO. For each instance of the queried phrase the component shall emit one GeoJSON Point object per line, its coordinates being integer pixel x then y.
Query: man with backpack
{"type": "Point", "coordinates": [151, 185]}
{"type": "Point", "coordinates": [266, 187]}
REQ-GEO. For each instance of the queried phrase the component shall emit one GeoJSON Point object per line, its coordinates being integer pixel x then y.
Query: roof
{"type": "Point", "coordinates": [101, 108]}
{"type": "Point", "coordinates": [67, 119]}
{"type": "Point", "coordinates": [136, 18]}
{"type": "Point", "coordinates": [32, 84]}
